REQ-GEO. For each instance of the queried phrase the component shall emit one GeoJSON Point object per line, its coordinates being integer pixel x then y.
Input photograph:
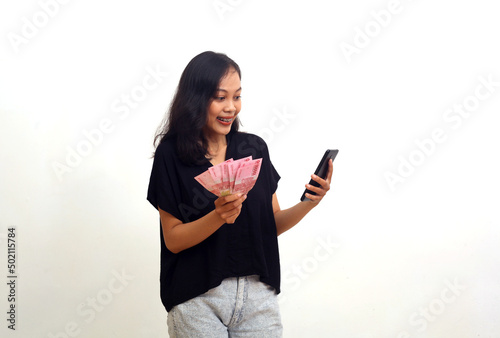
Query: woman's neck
{"type": "Point", "coordinates": [216, 144]}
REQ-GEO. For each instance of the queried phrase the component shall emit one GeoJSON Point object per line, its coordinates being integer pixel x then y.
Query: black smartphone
{"type": "Point", "coordinates": [321, 171]}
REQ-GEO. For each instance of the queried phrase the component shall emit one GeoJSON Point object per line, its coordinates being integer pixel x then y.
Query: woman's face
{"type": "Point", "coordinates": [224, 107]}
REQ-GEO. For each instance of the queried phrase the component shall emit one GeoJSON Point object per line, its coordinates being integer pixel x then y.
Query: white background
{"type": "Point", "coordinates": [419, 260]}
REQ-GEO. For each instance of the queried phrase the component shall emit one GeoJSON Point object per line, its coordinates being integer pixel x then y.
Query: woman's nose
{"type": "Point", "coordinates": [230, 105]}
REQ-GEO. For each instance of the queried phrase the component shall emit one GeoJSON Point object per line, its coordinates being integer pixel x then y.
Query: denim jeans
{"type": "Point", "coordinates": [238, 307]}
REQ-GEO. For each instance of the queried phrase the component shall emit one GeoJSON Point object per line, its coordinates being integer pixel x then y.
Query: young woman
{"type": "Point", "coordinates": [220, 270]}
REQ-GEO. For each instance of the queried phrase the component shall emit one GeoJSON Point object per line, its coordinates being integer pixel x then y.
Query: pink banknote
{"type": "Point", "coordinates": [233, 169]}
{"type": "Point", "coordinates": [246, 176]}
{"type": "Point", "coordinates": [231, 176]}
{"type": "Point", "coordinates": [220, 176]}
{"type": "Point", "coordinates": [206, 180]}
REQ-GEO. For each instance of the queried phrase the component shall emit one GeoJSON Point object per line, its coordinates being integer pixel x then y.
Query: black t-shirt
{"type": "Point", "coordinates": [247, 247]}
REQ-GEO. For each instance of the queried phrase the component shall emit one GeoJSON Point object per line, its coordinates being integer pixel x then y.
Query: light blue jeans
{"type": "Point", "coordinates": [239, 307]}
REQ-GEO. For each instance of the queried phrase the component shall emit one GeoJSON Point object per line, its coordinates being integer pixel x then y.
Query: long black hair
{"type": "Point", "coordinates": [189, 108]}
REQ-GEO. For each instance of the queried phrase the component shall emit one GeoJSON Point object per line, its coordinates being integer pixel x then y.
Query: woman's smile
{"type": "Point", "coordinates": [225, 120]}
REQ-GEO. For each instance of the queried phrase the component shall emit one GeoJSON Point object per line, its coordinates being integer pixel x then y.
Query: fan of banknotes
{"type": "Point", "coordinates": [231, 176]}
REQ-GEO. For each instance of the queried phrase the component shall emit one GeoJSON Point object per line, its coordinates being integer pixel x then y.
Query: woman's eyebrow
{"type": "Point", "coordinates": [223, 90]}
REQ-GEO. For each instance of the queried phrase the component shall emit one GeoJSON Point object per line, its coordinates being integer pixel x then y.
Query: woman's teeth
{"type": "Point", "coordinates": [224, 120]}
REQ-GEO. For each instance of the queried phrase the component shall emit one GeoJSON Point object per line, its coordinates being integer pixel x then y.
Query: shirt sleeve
{"type": "Point", "coordinates": [275, 178]}
{"type": "Point", "coordinates": [163, 190]}
{"type": "Point", "coordinates": [273, 175]}
{"type": "Point", "coordinates": [271, 172]}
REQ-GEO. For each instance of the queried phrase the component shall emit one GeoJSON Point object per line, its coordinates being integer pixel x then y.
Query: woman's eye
{"type": "Point", "coordinates": [238, 97]}
{"type": "Point", "coordinates": [219, 98]}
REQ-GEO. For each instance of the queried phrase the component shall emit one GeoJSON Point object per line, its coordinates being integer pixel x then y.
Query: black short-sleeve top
{"type": "Point", "coordinates": [247, 247]}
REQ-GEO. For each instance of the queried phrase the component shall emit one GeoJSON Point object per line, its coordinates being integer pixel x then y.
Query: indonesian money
{"type": "Point", "coordinates": [231, 176]}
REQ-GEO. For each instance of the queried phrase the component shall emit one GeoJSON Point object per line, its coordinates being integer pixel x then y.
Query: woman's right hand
{"type": "Point", "coordinates": [228, 207]}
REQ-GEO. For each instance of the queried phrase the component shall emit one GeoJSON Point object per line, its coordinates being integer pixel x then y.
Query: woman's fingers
{"type": "Point", "coordinates": [322, 189]}
{"type": "Point", "coordinates": [317, 190]}
{"type": "Point", "coordinates": [324, 185]}
{"type": "Point", "coordinates": [226, 199]}
{"type": "Point", "coordinates": [232, 211]}
{"type": "Point", "coordinates": [231, 215]}
{"type": "Point", "coordinates": [229, 207]}
{"type": "Point", "coordinates": [314, 198]}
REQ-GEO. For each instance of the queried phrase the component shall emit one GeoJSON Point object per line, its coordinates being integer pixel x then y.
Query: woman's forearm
{"type": "Point", "coordinates": [185, 235]}
{"type": "Point", "coordinates": [286, 219]}
{"type": "Point", "coordinates": [179, 236]}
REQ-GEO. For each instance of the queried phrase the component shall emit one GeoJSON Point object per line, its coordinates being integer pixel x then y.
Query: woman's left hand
{"type": "Point", "coordinates": [324, 185]}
